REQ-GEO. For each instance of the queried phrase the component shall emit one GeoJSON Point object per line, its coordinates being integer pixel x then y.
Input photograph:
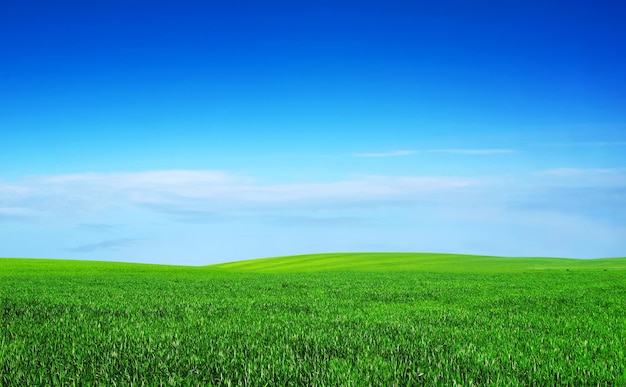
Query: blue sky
{"type": "Point", "coordinates": [195, 132]}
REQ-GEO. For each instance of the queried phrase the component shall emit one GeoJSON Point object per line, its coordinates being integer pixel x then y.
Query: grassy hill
{"type": "Point", "coordinates": [369, 262]}
{"type": "Point", "coordinates": [327, 319]}
{"type": "Point", "coordinates": [451, 263]}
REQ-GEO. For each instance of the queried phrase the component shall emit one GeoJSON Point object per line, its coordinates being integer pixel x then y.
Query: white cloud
{"type": "Point", "coordinates": [448, 151]}
{"type": "Point", "coordinates": [210, 196]}
{"type": "Point", "coordinates": [388, 154]}
{"type": "Point", "coordinates": [364, 188]}
{"type": "Point", "coordinates": [592, 144]}
{"type": "Point", "coordinates": [473, 151]}
{"type": "Point", "coordinates": [105, 245]}
{"type": "Point", "coordinates": [214, 211]}
{"type": "Point", "coordinates": [582, 171]}
{"type": "Point", "coordinates": [583, 177]}
{"type": "Point", "coordinates": [96, 227]}
{"type": "Point", "coordinates": [139, 179]}
{"type": "Point", "coordinates": [206, 191]}
{"type": "Point", "coordinates": [16, 213]}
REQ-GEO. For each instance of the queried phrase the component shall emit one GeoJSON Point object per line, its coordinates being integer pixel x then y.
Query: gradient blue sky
{"type": "Point", "coordinates": [196, 132]}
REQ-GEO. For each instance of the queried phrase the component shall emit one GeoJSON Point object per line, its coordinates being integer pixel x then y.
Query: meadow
{"type": "Point", "coordinates": [319, 320]}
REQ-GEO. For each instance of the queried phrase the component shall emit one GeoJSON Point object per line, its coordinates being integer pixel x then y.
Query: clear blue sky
{"type": "Point", "coordinates": [205, 131]}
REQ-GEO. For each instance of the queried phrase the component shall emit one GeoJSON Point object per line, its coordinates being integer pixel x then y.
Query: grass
{"type": "Point", "coordinates": [424, 262]}
{"type": "Point", "coordinates": [334, 319]}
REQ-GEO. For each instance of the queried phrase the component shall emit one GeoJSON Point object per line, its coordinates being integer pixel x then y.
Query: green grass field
{"type": "Point", "coordinates": [333, 319]}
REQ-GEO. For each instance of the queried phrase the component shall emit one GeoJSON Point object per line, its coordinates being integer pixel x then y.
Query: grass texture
{"type": "Point", "coordinates": [318, 320]}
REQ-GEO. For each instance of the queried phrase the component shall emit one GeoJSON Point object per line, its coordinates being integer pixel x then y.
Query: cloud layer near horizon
{"type": "Point", "coordinates": [558, 209]}
{"type": "Point", "coordinates": [206, 189]}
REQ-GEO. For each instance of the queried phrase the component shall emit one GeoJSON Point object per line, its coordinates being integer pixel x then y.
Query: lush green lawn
{"type": "Point", "coordinates": [337, 319]}
{"type": "Point", "coordinates": [425, 262]}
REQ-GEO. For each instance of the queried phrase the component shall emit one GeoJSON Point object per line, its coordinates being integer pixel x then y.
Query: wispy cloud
{"type": "Point", "coordinates": [212, 196]}
{"type": "Point", "coordinates": [184, 214]}
{"type": "Point", "coordinates": [421, 212]}
{"type": "Point", "coordinates": [581, 178]}
{"type": "Point", "coordinates": [591, 144]}
{"type": "Point", "coordinates": [140, 179]}
{"type": "Point", "coordinates": [582, 171]}
{"type": "Point", "coordinates": [316, 221]}
{"type": "Point", "coordinates": [606, 202]}
{"type": "Point", "coordinates": [105, 245]}
{"type": "Point", "coordinates": [395, 153]}
{"type": "Point", "coordinates": [198, 196]}
{"type": "Point", "coordinates": [448, 151]}
{"type": "Point", "coordinates": [473, 151]}
{"type": "Point", "coordinates": [12, 214]}
{"type": "Point", "coordinates": [97, 227]}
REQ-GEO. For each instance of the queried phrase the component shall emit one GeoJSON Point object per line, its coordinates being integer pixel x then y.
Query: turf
{"type": "Point", "coordinates": [332, 319]}
{"type": "Point", "coordinates": [449, 263]}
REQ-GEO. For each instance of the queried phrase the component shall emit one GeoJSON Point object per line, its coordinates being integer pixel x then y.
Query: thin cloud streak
{"type": "Point", "coordinates": [591, 144]}
{"type": "Point", "coordinates": [584, 177]}
{"type": "Point", "coordinates": [316, 221]}
{"type": "Point", "coordinates": [445, 151]}
{"type": "Point", "coordinates": [582, 171]}
{"type": "Point", "coordinates": [388, 154]}
{"type": "Point", "coordinates": [105, 245]}
{"type": "Point", "coordinates": [96, 227]}
{"type": "Point", "coordinates": [12, 214]}
{"type": "Point", "coordinates": [135, 179]}
{"type": "Point", "coordinates": [473, 151]}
